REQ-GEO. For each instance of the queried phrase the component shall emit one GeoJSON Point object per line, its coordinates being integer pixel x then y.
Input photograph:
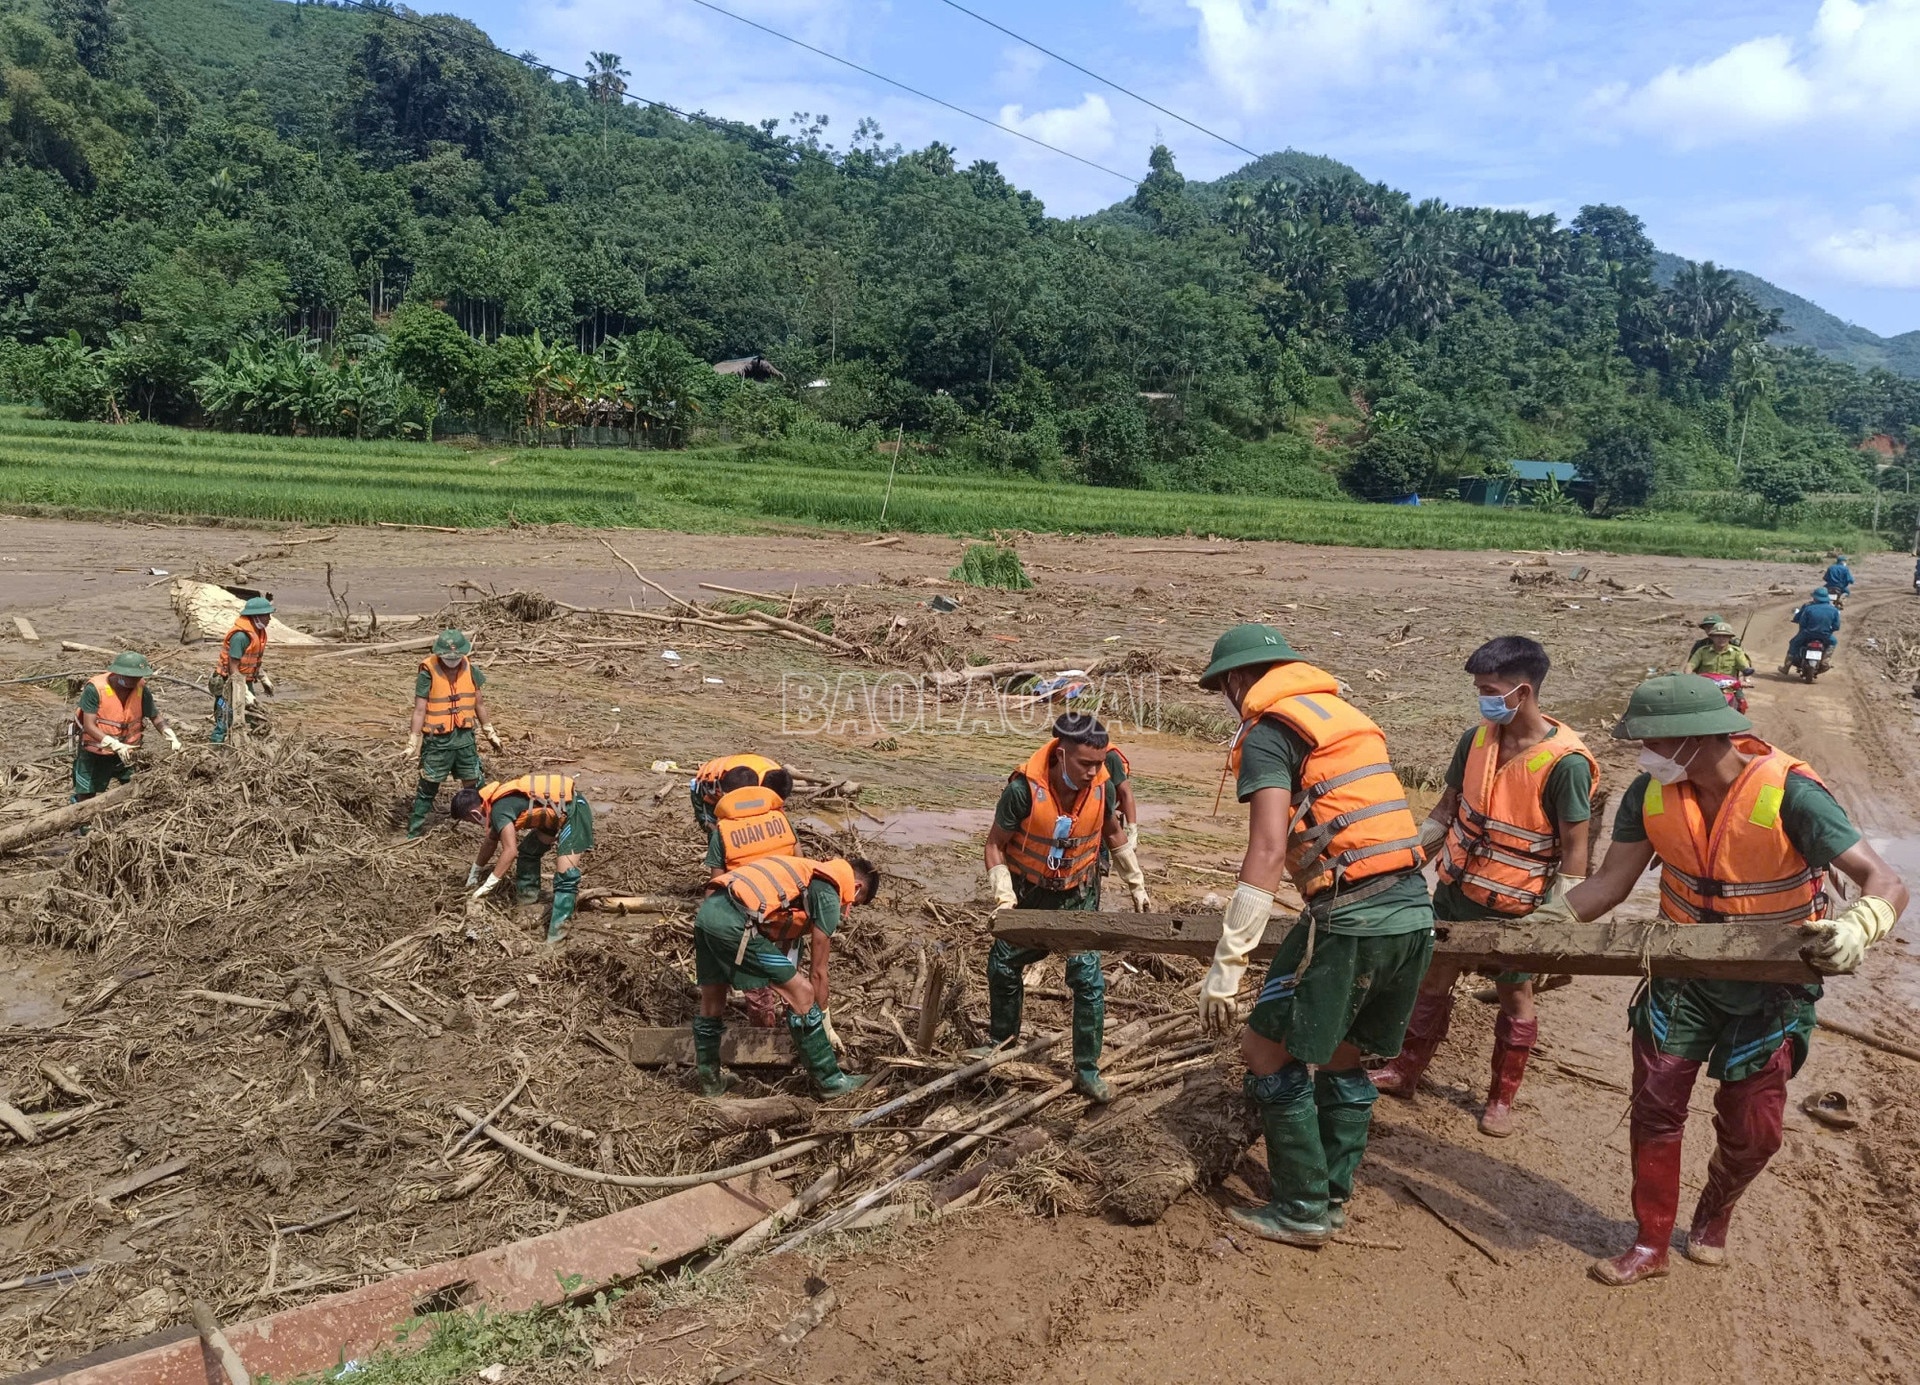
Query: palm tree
{"type": "Point", "coordinates": [606, 83]}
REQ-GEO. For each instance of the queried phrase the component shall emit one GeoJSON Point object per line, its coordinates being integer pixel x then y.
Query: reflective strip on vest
{"type": "Point", "coordinates": [1037, 853]}
{"type": "Point", "coordinates": [752, 824]}
{"type": "Point", "coordinates": [118, 717]}
{"type": "Point", "coordinates": [1502, 850]}
{"type": "Point", "coordinates": [1742, 868]}
{"type": "Point", "coordinates": [249, 657]}
{"type": "Point", "coordinates": [773, 892]}
{"type": "Point", "coordinates": [453, 704]}
{"type": "Point", "coordinates": [549, 797]}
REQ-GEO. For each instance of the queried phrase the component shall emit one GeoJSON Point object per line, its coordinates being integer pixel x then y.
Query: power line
{"type": "Point", "coordinates": [1124, 91]}
{"type": "Point", "coordinates": [914, 91]}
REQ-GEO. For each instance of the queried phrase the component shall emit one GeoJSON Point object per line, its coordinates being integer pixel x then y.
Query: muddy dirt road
{"type": "Point", "coordinates": [1824, 1277]}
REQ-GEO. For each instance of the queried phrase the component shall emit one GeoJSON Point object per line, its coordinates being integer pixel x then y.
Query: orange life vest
{"type": "Point", "coordinates": [752, 825]}
{"type": "Point", "coordinates": [1350, 817]}
{"type": "Point", "coordinates": [250, 659]}
{"type": "Point", "coordinates": [773, 891]}
{"type": "Point", "coordinates": [549, 796]}
{"type": "Point", "coordinates": [707, 777]}
{"type": "Point", "coordinates": [453, 701]}
{"type": "Point", "coordinates": [1503, 851]}
{"type": "Point", "coordinates": [118, 716]}
{"type": "Point", "coordinates": [1741, 868]}
{"type": "Point", "coordinates": [1037, 853]}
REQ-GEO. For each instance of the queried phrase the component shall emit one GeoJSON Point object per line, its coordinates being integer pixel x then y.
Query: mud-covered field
{"type": "Point", "coordinates": [277, 873]}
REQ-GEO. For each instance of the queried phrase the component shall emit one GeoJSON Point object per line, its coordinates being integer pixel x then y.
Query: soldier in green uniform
{"type": "Point", "coordinates": [1326, 809]}
{"type": "Point", "coordinates": [447, 707]}
{"type": "Point", "coordinates": [114, 706]}
{"type": "Point", "coordinates": [741, 935]}
{"type": "Point", "coordinates": [1054, 816]}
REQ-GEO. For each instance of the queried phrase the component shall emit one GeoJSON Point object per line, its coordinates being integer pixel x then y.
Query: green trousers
{"type": "Point", "coordinates": [95, 774]}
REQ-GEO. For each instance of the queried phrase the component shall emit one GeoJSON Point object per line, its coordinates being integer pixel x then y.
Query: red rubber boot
{"type": "Point", "coordinates": [1661, 1086]}
{"type": "Point", "coordinates": [1747, 1119]}
{"type": "Point", "coordinates": [1513, 1040]}
{"type": "Point", "coordinates": [1425, 1030]}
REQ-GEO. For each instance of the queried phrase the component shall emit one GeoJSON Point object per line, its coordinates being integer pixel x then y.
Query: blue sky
{"type": "Point", "coordinates": [1769, 135]}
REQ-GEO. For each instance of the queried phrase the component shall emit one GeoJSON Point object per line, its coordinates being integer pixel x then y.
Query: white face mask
{"type": "Point", "coordinates": [1663, 769]}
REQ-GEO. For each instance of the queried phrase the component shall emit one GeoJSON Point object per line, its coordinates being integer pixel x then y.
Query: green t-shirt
{"type": "Point", "coordinates": [1270, 758]}
{"type": "Point", "coordinates": [1116, 767]}
{"type": "Point", "coordinates": [1731, 660]}
{"type": "Point", "coordinates": [1818, 827]}
{"type": "Point", "coordinates": [237, 644]}
{"type": "Point", "coordinates": [507, 810]}
{"type": "Point", "coordinates": [90, 701]}
{"type": "Point", "coordinates": [1566, 797]}
{"type": "Point", "coordinates": [423, 683]}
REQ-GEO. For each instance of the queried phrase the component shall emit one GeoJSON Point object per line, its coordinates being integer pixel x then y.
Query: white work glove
{"type": "Point", "coordinates": [1127, 863]}
{"type": "Point", "coordinates": [115, 746]}
{"type": "Point", "coordinates": [1837, 946]}
{"type": "Point", "coordinates": [1432, 833]}
{"type": "Point", "coordinates": [244, 694]}
{"type": "Point", "coordinates": [1000, 884]}
{"type": "Point", "coordinates": [493, 736]}
{"type": "Point", "coordinates": [267, 683]}
{"type": "Point", "coordinates": [173, 741]}
{"type": "Point", "coordinates": [826, 1026]}
{"type": "Point", "coordinates": [1241, 929]}
{"type": "Point", "coordinates": [473, 876]}
{"type": "Point", "coordinates": [486, 888]}
{"type": "Point", "coordinates": [1556, 909]}
{"type": "Point", "coordinates": [413, 753]}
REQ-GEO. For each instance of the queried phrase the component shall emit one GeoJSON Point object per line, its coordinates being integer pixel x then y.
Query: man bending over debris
{"type": "Point", "coordinates": [749, 817]}
{"type": "Point", "coordinates": [1743, 833]}
{"type": "Point", "coordinates": [741, 934]}
{"type": "Point", "coordinates": [237, 672]}
{"type": "Point", "coordinates": [1043, 852]}
{"type": "Point", "coordinates": [704, 788]}
{"type": "Point", "coordinates": [1326, 808]}
{"type": "Point", "coordinates": [1515, 823]}
{"type": "Point", "coordinates": [447, 706]}
{"type": "Point", "coordinates": [523, 818]}
{"type": "Point", "coordinates": [114, 707]}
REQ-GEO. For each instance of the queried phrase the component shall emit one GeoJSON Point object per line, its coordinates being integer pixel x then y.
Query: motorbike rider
{"type": "Point", "coordinates": [1839, 578]}
{"type": "Point", "coordinates": [1722, 658]}
{"type": "Point", "coordinates": [1817, 620]}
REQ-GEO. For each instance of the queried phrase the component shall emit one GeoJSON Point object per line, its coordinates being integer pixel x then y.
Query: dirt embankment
{"type": "Point", "coordinates": [253, 874]}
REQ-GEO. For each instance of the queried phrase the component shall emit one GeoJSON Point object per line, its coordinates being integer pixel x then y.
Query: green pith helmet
{"type": "Point", "coordinates": [257, 606]}
{"type": "Point", "coordinates": [1677, 705]}
{"type": "Point", "coordinates": [130, 664]}
{"type": "Point", "coordinates": [1708, 622]}
{"type": "Point", "coordinates": [1719, 627]}
{"type": "Point", "coordinates": [1246, 646]}
{"type": "Point", "coordinates": [452, 644]}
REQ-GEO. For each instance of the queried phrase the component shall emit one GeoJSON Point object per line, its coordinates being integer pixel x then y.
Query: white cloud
{"type": "Point", "coordinates": [1882, 250]}
{"type": "Point", "coordinates": [1856, 64]}
{"type": "Point", "coordinates": [1265, 52]}
{"type": "Point", "coordinates": [1084, 129]}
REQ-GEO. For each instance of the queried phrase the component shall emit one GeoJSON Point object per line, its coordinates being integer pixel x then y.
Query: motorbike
{"type": "Point", "coordinates": [1732, 687]}
{"type": "Point", "coordinates": [1811, 662]}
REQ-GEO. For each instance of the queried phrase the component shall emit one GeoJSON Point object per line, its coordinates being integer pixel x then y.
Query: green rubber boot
{"type": "Point", "coordinates": [423, 797]}
{"type": "Point", "coordinates": [1296, 1162]}
{"type": "Point", "coordinates": [1089, 987]}
{"type": "Point", "coordinates": [1007, 987]}
{"type": "Point", "coordinates": [566, 893]}
{"type": "Point", "coordinates": [713, 1079]}
{"type": "Point", "coordinates": [816, 1053]}
{"type": "Point", "coordinates": [526, 873]}
{"type": "Point", "coordinates": [1345, 1101]}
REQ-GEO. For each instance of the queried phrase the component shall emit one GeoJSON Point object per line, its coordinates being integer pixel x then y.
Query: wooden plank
{"type": "Point", "coordinates": [1614, 947]}
{"type": "Point", "coordinates": [742, 1047]}
{"type": "Point", "coordinates": [27, 632]}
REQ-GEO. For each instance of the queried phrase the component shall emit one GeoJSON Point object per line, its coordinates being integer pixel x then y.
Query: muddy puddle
{"type": "Point", "coordinates": [32, 991]}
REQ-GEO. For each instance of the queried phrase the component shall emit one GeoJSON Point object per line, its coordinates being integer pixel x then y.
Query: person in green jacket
{"type": "Point", "coordinates": [447, 706]}
{"type": "Point", "coordinates": [114, 706]}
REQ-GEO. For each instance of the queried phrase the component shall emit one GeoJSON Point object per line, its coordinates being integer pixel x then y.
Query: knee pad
{"type": "Point", "coordinates": [1348, 1087]}
{"type": "Point", "coordinates": [1286, 1087]}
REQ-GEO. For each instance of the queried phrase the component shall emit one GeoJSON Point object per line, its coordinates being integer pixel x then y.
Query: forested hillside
{"type": "Point", "coordinates": [249, 215]}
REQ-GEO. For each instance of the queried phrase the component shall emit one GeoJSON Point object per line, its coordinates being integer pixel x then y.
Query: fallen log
{"type": "Point", "coordinates": [634, 903]}
{"type": "Point", "coordinates": [1614, 947]}
{"type": "Point", "coordinates": [759, 1113]}
{"type": "Point", "coordinates": [741, 1047]}
{"type": "Point", "coordinates": [63, 819]}
{"type": "Point", "coordinates": [415, 644]}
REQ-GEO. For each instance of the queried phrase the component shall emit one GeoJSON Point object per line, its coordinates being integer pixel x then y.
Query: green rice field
{"type": "Point", "coordinates": [103, 469]}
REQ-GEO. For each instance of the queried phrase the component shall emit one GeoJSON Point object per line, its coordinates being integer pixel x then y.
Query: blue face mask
{"type": "Point", "coordinates": [1493, 707]}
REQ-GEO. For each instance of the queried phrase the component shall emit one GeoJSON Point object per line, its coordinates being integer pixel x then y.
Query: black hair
{"type": "Point", "coordinates": [465, 799]}
{"type": "Point", "coordinates": [779, 780]}
{"type": "Point", "coordinates": [863, 869]}
{"type": "Point", "coordinates": [739, 777]}
{"type": "Point", "coordinates": [1080, 728]}
{"type": "Point", "coordinates": [1510, 656]}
